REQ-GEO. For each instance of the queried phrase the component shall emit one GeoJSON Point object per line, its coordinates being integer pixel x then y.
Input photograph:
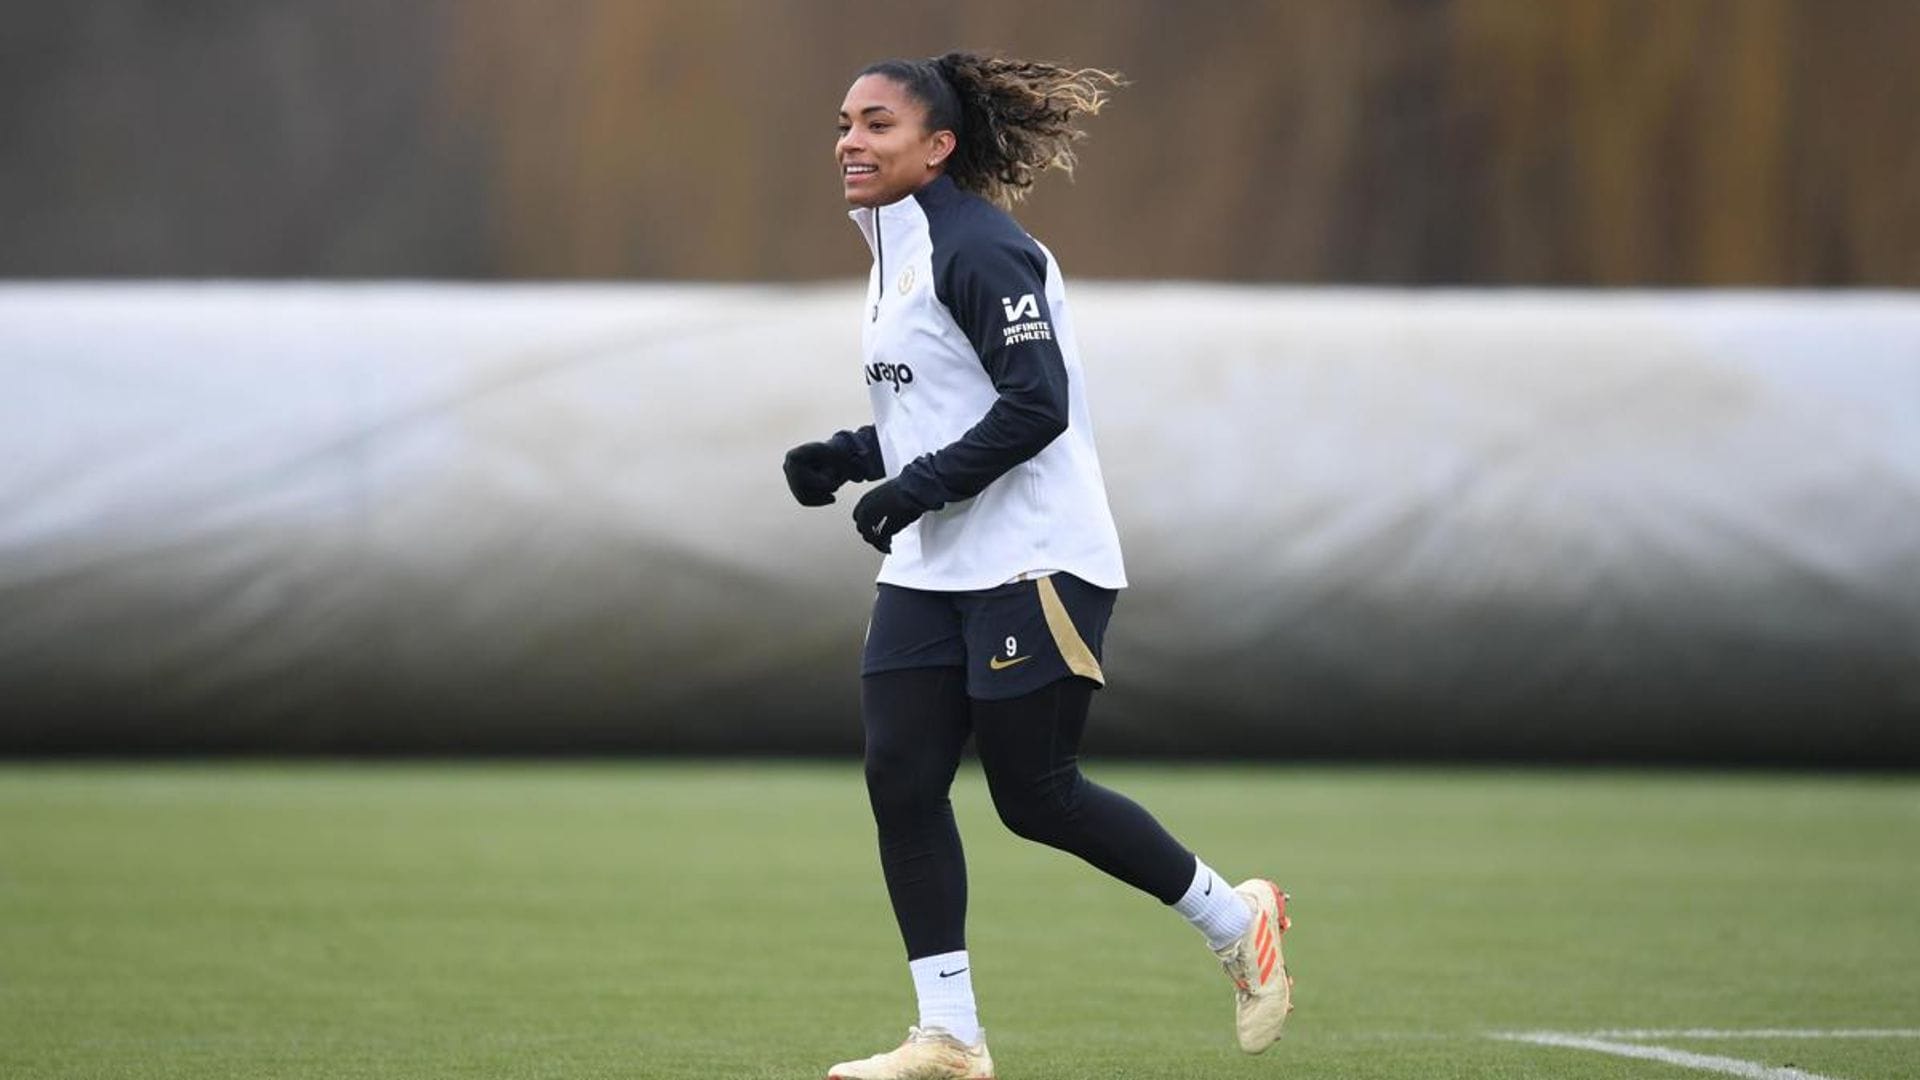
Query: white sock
{"type": "Point", "coordinates": [945, 986]}
{"type": "Point", "coordinates": [1213, 909]}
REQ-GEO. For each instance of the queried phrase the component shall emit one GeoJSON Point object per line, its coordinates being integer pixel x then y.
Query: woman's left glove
{"type": "Point", "coordinates": [815, 470]}
{"type": "Point", "coordinates": [884, 511]}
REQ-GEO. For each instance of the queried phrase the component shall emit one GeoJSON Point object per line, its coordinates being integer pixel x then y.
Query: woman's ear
{"type": "Point", "coordinates": [942, 149]}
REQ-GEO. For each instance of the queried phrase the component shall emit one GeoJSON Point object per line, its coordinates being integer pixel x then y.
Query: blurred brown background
{"type": "Point", "coordinates": [1608, 142]}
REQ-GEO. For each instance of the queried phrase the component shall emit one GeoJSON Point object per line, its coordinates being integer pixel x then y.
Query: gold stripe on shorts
{"type": "Point", "coordinates": [1073, 649]}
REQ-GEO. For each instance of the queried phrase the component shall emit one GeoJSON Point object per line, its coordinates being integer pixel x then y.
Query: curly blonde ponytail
{"type": "Point", "coordinates": [1012, 119]}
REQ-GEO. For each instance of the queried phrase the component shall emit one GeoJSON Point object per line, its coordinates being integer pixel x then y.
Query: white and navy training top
{"type": "Point", "coordinates": [979, 403]}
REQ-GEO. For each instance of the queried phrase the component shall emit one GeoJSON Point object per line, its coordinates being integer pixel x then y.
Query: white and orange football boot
{"type": "Point", "coordinates": [1262, 987]}
{"type": "Point", "coordinates": [930, 1053]}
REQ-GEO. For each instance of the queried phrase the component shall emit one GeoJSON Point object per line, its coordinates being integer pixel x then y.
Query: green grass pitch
{"type": "Point", "coordinates": [682, 920]}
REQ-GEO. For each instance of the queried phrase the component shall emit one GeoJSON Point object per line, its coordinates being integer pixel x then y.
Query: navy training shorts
{"type": "Point", "coordinates": [1013, 639]}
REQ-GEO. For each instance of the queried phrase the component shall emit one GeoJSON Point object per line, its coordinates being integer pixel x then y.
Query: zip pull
{"type": "Point", "coordinates": [880, 260]}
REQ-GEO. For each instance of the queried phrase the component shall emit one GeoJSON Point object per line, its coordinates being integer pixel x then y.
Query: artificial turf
{"type": "Point", "coordinates": [681, 920]}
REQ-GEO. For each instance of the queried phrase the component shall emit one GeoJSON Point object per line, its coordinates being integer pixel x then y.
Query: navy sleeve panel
{"type": "Point", "coordinates": [993, 278]}
{"type": "Point", "coordinates": [863, 446]}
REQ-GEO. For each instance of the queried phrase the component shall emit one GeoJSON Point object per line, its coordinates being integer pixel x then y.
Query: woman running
{"type": "Point", "coordinates": [1002, 564]}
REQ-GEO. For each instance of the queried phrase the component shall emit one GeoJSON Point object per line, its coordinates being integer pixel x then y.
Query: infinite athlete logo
{"type": "Point", "coordinates": [897, 374]}
{"type": "Point", "coordinates": [1033, 328]}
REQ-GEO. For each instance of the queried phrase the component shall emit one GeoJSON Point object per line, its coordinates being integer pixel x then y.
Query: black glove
{"type": "Point", "coordinates": [884, 511]}
{"type": "Point", "coordinates": [814, 470]}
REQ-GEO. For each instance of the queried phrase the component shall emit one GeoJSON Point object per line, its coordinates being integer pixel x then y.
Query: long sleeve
{"type": "Point", "coordinates": [996, 291]}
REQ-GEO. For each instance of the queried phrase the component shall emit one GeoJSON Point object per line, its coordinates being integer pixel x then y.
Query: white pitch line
{"type": "Point", "coordinates": [1751, 1070]}
{"type": "Point", "coordinates": [1755, 1033]}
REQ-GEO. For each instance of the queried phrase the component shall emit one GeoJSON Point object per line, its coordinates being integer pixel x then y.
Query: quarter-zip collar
{"type": "Point", "coordinates": [872, 219]}
{"type": "Point", "coordinates": [873, 222]}
{"type": "Point", "coordinates": [939, 192]}
{"type": "Point", "coordinates": [873, 226]}
{"type": "Point", "coordinates": [869, 218]}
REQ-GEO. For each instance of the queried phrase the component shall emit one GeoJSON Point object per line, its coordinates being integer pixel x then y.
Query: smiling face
{"type": "Point", "coordinates": [885, 151]}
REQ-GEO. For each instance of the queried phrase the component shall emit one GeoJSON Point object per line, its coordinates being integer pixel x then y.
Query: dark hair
{"type": "Point", "coordinates": [1012, 119]}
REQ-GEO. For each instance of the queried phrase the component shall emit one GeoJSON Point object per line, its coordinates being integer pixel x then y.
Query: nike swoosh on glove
{"type": "Point", "coordinates": [814, 470]}
{"type": "Point", "coordinates": [884, 511]}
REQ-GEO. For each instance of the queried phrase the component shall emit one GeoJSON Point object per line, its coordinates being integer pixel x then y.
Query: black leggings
{"type": "Point", "coordinates": [918, 719]}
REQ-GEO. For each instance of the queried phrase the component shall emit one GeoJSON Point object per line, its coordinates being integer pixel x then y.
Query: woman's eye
{"type": "Point", "coordinates": [842, 130]}
{"type": "Point", "coordinates": [881, 126]}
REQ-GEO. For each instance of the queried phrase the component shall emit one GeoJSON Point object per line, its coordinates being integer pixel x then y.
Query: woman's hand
{"type": "Point", "coordinates": [884, 511]}
{"type": "Point", "coordinates": [815, 470]}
